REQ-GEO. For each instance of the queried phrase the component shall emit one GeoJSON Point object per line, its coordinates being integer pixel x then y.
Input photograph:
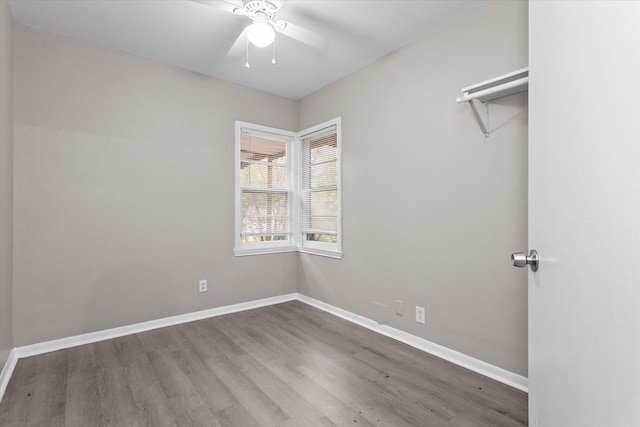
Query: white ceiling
{"type": "Point", "coordinates": [197, 36]}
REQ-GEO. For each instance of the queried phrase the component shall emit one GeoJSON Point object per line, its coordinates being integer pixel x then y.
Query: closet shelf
{"type": "Point", "coordinates": [489, 90]}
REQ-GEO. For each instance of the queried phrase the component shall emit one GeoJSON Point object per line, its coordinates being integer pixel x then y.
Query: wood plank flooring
{"type": "Point", "coordinates": [284, 365]}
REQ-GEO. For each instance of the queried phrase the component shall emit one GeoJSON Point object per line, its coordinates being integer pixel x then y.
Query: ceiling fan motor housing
{"type": "Point", "coordinates": [259, 8]}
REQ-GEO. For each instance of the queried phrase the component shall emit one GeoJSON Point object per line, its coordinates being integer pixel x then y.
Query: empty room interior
{"type": "Point", "coordinates": [200, 230]}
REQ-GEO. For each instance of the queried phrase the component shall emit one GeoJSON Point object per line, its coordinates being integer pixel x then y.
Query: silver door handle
{"type": "Point", "coordinates": [521, 260]}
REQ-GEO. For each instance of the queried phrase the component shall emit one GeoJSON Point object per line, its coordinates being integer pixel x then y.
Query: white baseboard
{"type": "Point", "coordinates": [453, 356]}
{"type": "Point", "coordinates": [468, 362]}
{"type": "Point", "coordinates": [59, 344]}
{"type": "Point", "coordinates": [7, 371]}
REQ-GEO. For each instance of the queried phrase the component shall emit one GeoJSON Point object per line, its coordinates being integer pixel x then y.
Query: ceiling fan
{"type": "Point", "coordinates": [262, 30]}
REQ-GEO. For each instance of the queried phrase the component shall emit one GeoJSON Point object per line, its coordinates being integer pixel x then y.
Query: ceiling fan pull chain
{"type": "Point", "coordinates": [273, 58]}
{"type": "Point", "coordinates": [247, 63]}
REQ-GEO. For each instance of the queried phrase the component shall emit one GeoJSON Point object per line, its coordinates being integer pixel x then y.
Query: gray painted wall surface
{"type": "Point", "coordinates": [124, 190]}
{"type": "Point", "coordinates": [432, 210]}
{"type": "Point", "coordinates": [6, 180]}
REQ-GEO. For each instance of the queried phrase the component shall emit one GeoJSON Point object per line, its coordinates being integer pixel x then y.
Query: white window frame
{"type": "Point", "coordinates": [297, 241]}
{"type": "Point", "coordinates": [333, 250]}
{"type": "Point", "coordinates": [253, 248]}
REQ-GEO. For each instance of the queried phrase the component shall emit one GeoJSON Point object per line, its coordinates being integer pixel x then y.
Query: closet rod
{"type": "Point", "coordinates": [500, 89]}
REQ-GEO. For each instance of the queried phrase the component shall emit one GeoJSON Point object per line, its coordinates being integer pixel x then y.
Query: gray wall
{"type": "Point", "coordinates": [6, 180]}
{"type": "Point", "coordinates": [432, 209]}
{"type": "Point", "coordinates": [124, 190]}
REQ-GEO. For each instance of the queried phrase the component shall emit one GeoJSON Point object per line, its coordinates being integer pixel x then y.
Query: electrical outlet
{"type": "Point", "coordinates": [398, 307]}
{"type": "Point", "coordinates": [202, 286]}
{"type": "Point", "coordinates": [420, 315]}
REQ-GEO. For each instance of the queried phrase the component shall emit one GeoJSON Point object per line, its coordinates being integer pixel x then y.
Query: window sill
{"type": "Point", "coordinates": [321, 252]}
{"type": "Point", "coordinates": [264, 251]}
{"type": "Point", "coordinates": [285, 249]}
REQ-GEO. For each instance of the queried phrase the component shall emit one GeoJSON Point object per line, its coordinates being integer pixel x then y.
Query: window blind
{"type": "Point", "coordinates": [265, 188]}
{"type": "Point", "coordinates": [319, 186]}
{"type": "Point", "coordinates": [287, 190]}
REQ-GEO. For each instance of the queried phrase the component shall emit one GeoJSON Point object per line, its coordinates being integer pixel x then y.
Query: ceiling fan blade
{"type": "Point", "coordinates": [235, 3]}
{"type": "Point", "coordinates": [303, 35]}
{"type": "Point", "coordinates": [278, 3]}
{"type": "Point", "coordinates": [240, 45]}
{"type": "Point", "coordinates": [226, 5]}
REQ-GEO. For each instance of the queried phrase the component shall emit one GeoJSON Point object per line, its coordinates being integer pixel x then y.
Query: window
{"type": "Point", "coordinates": [264, 193]}
{"type": "Point", "coordinates": [319, 191]}
{"type": "Point", "coordinates": [288, 190]}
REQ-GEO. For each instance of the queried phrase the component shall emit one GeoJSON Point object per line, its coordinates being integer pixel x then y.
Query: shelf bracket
{"type": "Point", "coordinates": [483, 127]}
{"type": "Point", "coordinates": [499, 87]}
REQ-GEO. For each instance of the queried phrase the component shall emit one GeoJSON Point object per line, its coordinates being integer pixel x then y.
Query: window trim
{"type": "Point", "coordinates": [241, 248]}
{"type": "Point", "coordinates": [333, 250]}
{"type": "Point", "coordinates": [297, 242]}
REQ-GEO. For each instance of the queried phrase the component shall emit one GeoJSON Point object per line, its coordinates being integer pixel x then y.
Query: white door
{"type": "Point", "coordinates": [584, 213]}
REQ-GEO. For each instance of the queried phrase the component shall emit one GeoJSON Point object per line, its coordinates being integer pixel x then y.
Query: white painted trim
{"type": "Point", "coordinates": [288, 137]}
{"type": "Point", "coordinates": [264, 250]}
{"type": "Point", "coordinates": [59, 344]}
{"type": "Point", "coordinates": [294, 165]}
{"type": "Point", "coordinates": [331, 250]}
{"type": "Point", "coordinates": [7, 371]}
{"type": "Point", "coordinates": [468, 362]}
{"type": "Point", "coordinates": [320, 252]}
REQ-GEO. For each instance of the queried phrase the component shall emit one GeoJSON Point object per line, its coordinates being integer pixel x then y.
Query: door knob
{"type": "Point", "coordinates": [521, 260]}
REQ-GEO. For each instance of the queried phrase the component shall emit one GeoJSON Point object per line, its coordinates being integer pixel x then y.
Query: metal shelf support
{"type": "Point", "coordinates": [489, 90]}
{"type": "Point", "coordinates": [483, 127]}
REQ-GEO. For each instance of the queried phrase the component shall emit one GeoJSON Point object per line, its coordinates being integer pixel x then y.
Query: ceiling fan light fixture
{"type": "Point", "coordinates": [261, 34]}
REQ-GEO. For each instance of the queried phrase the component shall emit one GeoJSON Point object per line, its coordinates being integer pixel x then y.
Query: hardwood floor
{"type": "Point", "coordinates": [284, 365]}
